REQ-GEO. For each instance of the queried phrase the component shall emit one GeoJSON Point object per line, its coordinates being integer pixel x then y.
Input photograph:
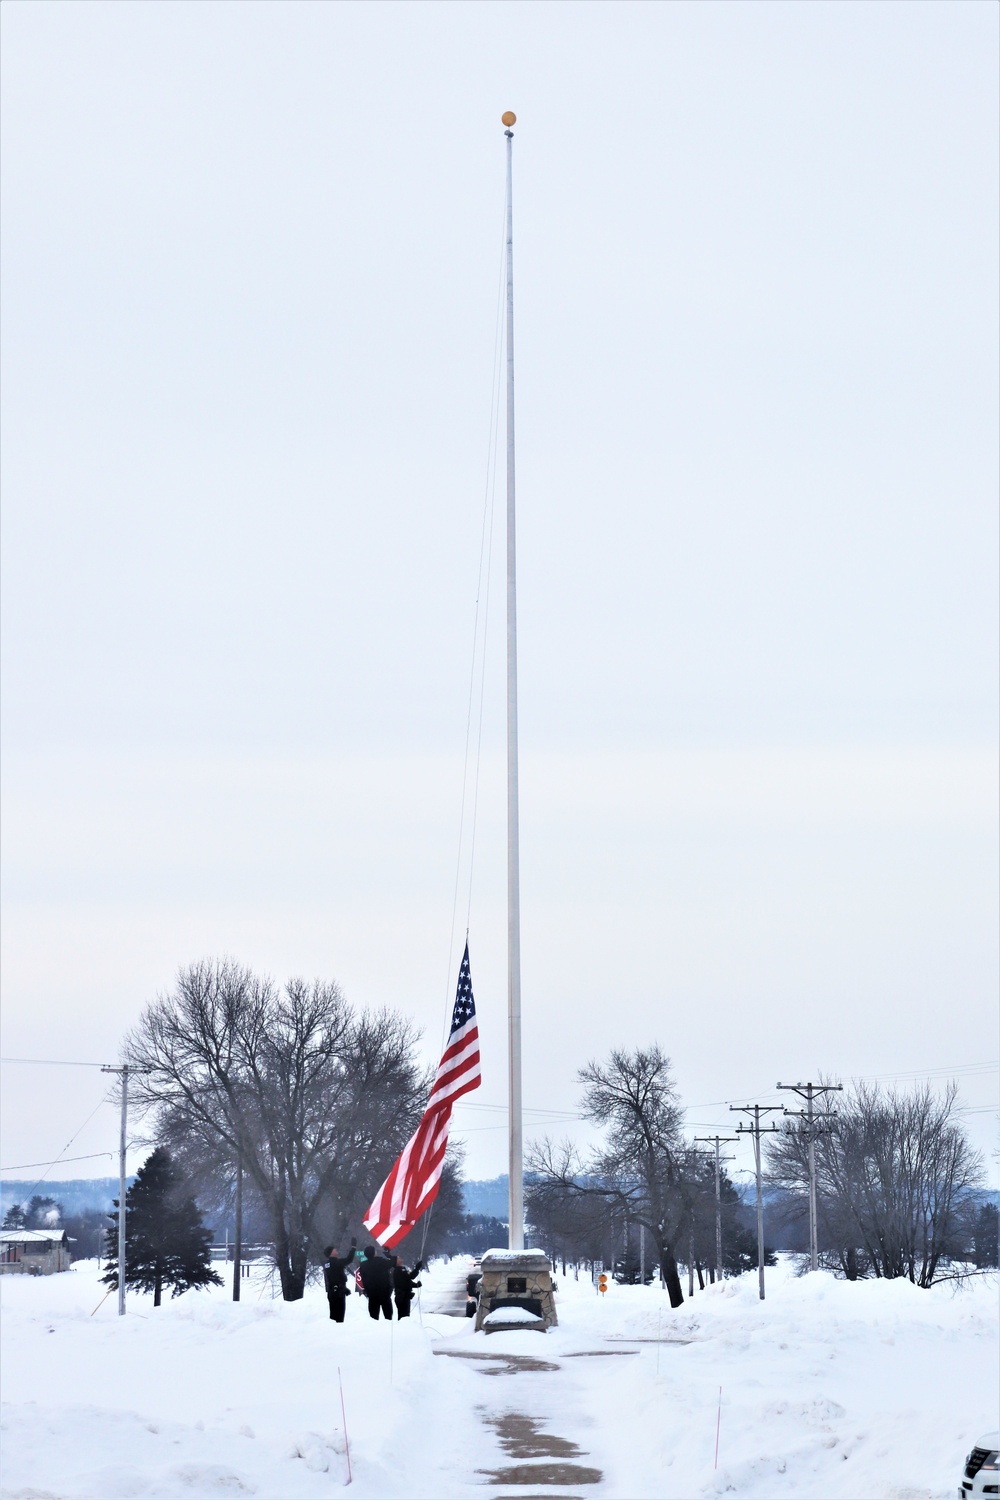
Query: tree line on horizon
{"type": "Point", "coordinates": [896, 1182]}
{"type": "Point", "coordinates": [309, 1101]}
{"type": "Point", "coordinates": [84, 1228]}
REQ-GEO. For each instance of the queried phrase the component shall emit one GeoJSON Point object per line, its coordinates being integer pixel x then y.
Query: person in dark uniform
{"type": "Point", "coordinates": [404, 1283]}
{"type": "Point", "coordinates": [376, 1279]}
{"type": "Point", "coordinates": [335, 1276]}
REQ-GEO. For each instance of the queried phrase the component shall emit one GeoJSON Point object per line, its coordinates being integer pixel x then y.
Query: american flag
{"type": "Point", "coordinates": [412, 1185]}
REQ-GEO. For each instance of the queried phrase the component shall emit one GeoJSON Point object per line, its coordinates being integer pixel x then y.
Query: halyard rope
{"type": "Point", "coordinates": [478, 651]}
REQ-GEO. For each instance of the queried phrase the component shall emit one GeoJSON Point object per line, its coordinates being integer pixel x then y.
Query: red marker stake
{"type": "Point", "coordinates": [718, 1427]}
{"type": "Point", "coordinates": [343, 1413]}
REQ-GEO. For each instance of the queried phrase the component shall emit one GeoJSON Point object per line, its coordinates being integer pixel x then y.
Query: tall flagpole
{"type": "Point", "coordinates": [516, 1141]}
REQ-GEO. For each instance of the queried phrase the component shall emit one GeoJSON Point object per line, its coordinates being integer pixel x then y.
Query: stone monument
{"type": "Point", "coordinates": [515, 1292]}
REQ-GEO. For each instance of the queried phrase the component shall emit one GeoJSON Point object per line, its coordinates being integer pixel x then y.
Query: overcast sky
{"type": "Point", "coordinates": [251, 257]}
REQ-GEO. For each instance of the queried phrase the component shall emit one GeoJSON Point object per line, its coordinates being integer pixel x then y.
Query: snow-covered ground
{"type": "Point", "coordinates": [828, 1390]}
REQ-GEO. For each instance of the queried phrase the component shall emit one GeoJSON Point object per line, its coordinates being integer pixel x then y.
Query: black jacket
{"type": "Point", "coordinates": [335, 1272]}
{"type": "Point", "coordinates": [404, 1281]}
{"type": "Point", "coordinates": [375, 1275]}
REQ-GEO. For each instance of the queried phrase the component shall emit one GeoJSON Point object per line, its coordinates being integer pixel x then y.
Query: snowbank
{"type": "Point", "coordinates": [828, 1390]}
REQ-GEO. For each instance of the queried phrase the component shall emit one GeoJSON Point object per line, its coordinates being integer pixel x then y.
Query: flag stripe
{"type": "Point", "coordinates": [457, 1043]}
{"type": "Point", "coordinates": [468, 1071]}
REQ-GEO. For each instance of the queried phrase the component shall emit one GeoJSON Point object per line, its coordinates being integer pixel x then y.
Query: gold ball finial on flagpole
{"type": "Point", "coordinates": [508, 118]}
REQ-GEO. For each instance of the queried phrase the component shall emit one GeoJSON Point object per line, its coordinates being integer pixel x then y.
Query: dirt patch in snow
{"type": "Point", "coordinates": [560, 1474]}
{"type": "Point", "coordinates": [522, 1437]}
{"type": "Point", "coordinates": [501, 1364]}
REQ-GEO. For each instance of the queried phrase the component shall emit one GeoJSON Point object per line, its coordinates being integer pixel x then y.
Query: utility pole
{"type": "Point", "coordinates": [808, 1092]}
{"type": "Point", "coordinates": [642, 1255]}
{"type": "Point", "coordinates": [755, 1129]}
{"type": "Point", "coordinates": [717, 1141]}
{"type": "Point", "coordinates": [123, 1072]}
{"type": "Point", "coordinates": [237, 1267]}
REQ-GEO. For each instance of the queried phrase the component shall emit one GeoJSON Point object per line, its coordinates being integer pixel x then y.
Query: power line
{"type": "Point", "coordinates": [52, 1062]}
{"type": "Point", "coordinates": [528, 1109]}
{"type": "Point", "coordinates": [955, 1070]}
{"type": "Point", "coordinates": [476, 1129]}
{"type": "Point", "coordinates": [960, 1069]}
{"type": "Point", "coordinates": [24, 1165]}
{"type": "Point", "coordinates": [56, 1160]}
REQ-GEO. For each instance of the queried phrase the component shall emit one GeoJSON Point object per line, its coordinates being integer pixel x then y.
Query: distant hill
{"type": "Point", "coordinates": [76, 1197]}
{"type": "Point", "coordinates": [487, 1197]}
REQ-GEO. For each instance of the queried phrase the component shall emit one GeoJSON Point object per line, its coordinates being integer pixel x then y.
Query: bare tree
{"type": "Point", "coordinates": [569, 1211]}
{"type": "Point", "coordinates": [313, 1099]}
{"type": "Point", "coordinates": [893, 1179]}
{"type": "Point", "coordinates": [642, 1166]}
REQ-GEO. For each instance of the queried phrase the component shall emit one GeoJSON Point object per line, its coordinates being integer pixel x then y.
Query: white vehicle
{"type": "Point", "coordinates": [982, 1468]}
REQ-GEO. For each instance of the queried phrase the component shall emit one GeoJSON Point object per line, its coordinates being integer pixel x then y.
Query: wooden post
{"type": "Point", "coordinates": [237, 1263]}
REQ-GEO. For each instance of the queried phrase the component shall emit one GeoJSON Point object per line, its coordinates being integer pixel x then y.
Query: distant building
{"type": "Point", "coordinates": [33, 1252]}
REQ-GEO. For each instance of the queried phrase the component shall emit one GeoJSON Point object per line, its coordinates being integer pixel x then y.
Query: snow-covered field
{"type": "Point", "coordinates": [828, 1389]}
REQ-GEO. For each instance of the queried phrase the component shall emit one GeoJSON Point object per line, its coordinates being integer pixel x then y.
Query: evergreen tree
{"type": "Point", "coordinates": [43, 1213]}
{"type": "Point", "coordinates": [985, 1236]}
{"type": "Point", "coordinates": [739, 1251]}
{"type": "Point", "coordinates": [166, 1243]}
{"type": "Point", "coordinates": [739, 1231]}
{"type": "Point", "coordinates": [14, 1217]}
